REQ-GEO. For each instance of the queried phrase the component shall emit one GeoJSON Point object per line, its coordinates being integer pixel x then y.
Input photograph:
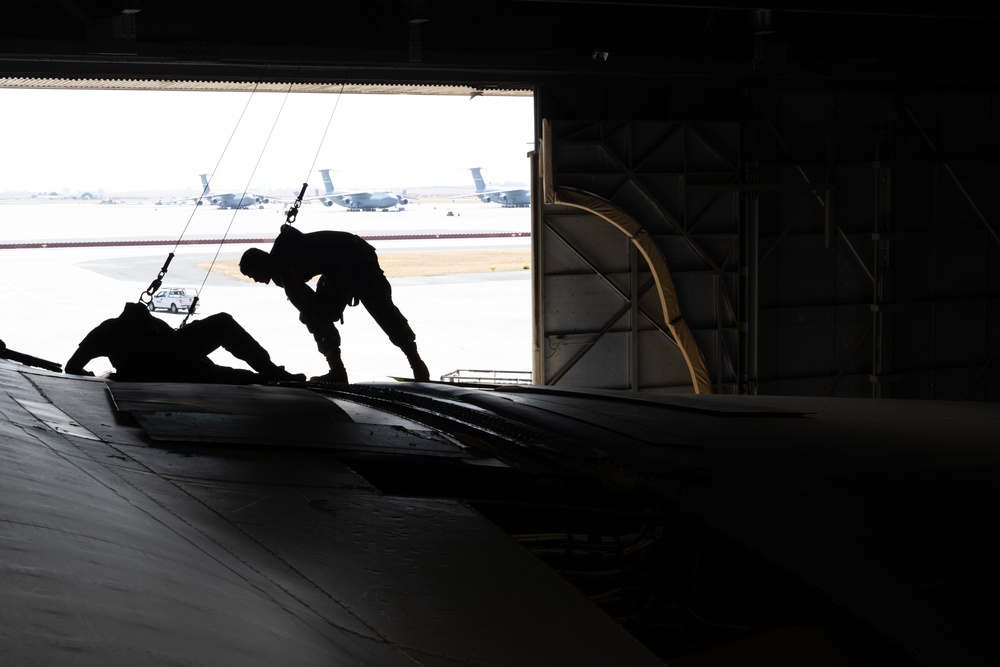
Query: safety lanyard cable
{"type": "Point", "coordinates": [222, 155]}
{"type": "Point", "coordinates": [260, 157]}
{"type": "Point", "coordinates": [293, 210]}
{"type": "Point", "coordinates": [232, 218]}
{"type": "Point", "coordinates": [147, 296]}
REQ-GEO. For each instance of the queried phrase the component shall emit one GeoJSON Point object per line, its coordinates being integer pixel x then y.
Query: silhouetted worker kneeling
{"type": "Point", "coordinates": [349, 273]}
{"type": "Point", "coordinates": [143, 348]}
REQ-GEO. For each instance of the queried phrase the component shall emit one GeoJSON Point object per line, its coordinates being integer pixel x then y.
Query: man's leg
{"type": "Point", "coordinates": [204, 370]}
{"type": "Point", "coordinates": [201, 337]}
{"type": "Point", "coordinates": [328, 343]}
{"type": "Point", "coordinates": [376, 295]}
{"type": "Point", "coordinates": [331, 299]}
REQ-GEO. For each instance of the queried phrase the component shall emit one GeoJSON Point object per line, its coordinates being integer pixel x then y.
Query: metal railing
{"type": "Point", "coordinates": [467, 376]}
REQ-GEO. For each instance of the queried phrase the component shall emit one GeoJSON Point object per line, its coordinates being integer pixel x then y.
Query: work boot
{"type": "Point", "coordinates": [333, 376]}
{"type": "Point", "coordinates": [337, 371]}
{"type": "Point", "coordinates": [420, 372]}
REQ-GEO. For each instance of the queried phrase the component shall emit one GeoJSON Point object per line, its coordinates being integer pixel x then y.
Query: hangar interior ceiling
{"type": "Point", "coordinates": [820, 183]}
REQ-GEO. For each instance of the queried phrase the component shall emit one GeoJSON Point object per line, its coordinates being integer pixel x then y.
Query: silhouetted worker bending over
{"type": "Point", "coordinates": [349, 273]}
{"type": "Point", "coordinates": [143, 348]}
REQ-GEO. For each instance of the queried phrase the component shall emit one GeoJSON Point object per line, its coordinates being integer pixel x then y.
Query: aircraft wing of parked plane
{"type": "Point", "coordinates": [432, 523]}
{"type": "Point", "coordinates": [510, 197]}
{"type": "Point", "coordinates": [358, 200]}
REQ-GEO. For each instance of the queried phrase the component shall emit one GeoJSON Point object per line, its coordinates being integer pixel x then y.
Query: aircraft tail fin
{"type": "Point", "coordinates": [327, 182]}
{"type": "Point", "coordinates": [478, 178]}
{"type": "Point", "coordinates": [204, 184]}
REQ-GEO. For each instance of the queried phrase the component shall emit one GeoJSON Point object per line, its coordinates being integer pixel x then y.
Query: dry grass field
{"type": "Point", "coordinates": [400, 264]}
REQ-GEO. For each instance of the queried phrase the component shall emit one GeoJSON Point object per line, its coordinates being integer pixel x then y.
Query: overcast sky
{"type": "Point", "coordinates": [125, 141]}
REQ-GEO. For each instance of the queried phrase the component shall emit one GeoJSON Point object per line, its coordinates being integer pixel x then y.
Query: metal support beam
{"type": "Point", "coordinates": [947, 168]}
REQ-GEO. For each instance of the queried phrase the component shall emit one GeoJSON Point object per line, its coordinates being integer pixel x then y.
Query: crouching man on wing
{"type": "Point", "coordinates": [144, 348]}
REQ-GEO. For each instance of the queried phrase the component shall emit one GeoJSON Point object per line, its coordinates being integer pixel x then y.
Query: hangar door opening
{"type": "Point", "coordinates": [100, 185]}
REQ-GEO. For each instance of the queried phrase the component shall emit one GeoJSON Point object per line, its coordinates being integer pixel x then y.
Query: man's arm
{"type": "Point", "coordinates": [299, 293]}
{"type": "Point", "coordinates": [76, 363]}
{"type": "Point", "coordinates": [90, 348]}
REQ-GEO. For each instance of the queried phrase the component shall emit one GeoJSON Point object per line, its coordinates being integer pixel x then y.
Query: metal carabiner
{"type": "Point", "coordinates": [155, 285]}
{"type": "Point", "coordinates": [293, 210]}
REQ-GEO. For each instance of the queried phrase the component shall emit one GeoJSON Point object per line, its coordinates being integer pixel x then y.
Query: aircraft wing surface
{"type": "Point", "coordinates": [340, 193]}
{"type": "Point", "coordinates": [124, 544]}
{"type": "Point", "coordinates": [351, 193]}
{"type": "Point", "coordinates": [443, 525]}
{"type": "Point", "coordinates": [481, 193]}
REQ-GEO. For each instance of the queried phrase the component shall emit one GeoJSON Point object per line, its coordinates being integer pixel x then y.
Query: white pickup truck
{"type": "Point", "coordinates": [174, 299]}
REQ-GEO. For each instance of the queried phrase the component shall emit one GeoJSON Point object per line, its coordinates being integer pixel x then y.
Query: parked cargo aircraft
{"type": "Point", "coordinates": [229, 199]}
{"type": "Point", "coordinates": [433, 523]}
{"type": "Point", "coordinates": [358, 200]}
{"type": "Point", "coordinates": [513, 198]}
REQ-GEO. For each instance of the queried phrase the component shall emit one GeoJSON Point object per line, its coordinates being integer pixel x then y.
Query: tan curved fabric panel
{"type": "Point", "coordinates": [673, 318]}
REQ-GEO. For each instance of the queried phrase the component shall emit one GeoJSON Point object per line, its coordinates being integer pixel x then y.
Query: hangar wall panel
{"type": "Point", "coordinates": [897, 241]}
{"type": "Point", "coordinates": [828, 242]}
{"type": "Point", "coordinates": [600, 324]}
{"type": "Point", "coordinates": [674, 178]}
